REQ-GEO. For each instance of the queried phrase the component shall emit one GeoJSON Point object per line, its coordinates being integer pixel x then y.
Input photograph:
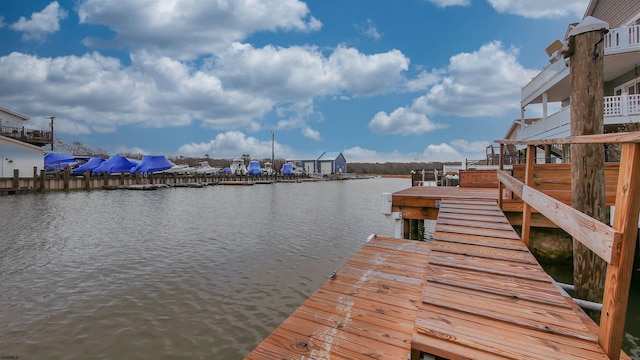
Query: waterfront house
{"type": "Point", "coordinates": [18, 155]}
{"type": "Point", "coordinates": [326, 163]}
{"type": "Point", "coordinates": [550, 89]}
{"type": "Point", "coordinates": [19, 147]}
{"type": "Point", "coordinates": [12, 125]}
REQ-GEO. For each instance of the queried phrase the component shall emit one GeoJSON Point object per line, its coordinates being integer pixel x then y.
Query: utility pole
{"type": "Point", "coordinates": [586, 50]}
{"type": "Point", "coordinates": [273, 137]}
{"type": "Point", "coordinates": [52, 138]}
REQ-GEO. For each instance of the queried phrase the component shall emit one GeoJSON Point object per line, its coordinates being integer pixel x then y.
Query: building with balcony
{"type": "Point", "coordinates": [550, 89]}
{"type": "Point", "coordinates": [12, 125]}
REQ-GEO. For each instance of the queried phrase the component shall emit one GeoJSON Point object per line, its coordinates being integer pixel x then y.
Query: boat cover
{"type": "Point", "coordinates": [93, 163]}
{"type": "Point", "coordinates": [254, 168]}
{"type": "Point", "coordinates": [152, 163]}
{"type": "Point", "coordinates": [55, 158]}
{"type": "Point", "coordinates": [227, 170]}
{"type": "Point", "coordinates": [287, 169]}
{"type": "Point", "coordinates": [115, 164]}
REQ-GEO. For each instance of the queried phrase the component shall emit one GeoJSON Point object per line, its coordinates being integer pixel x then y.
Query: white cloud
{"type": "Point", "coordinates": [310, 133]}
{"type": "Point", "coordinates": [358, 154]}
{"type": "Point", "coordinates": [486, 82]}
{"type": "Point", "coordinates": [298, 73]}
{"type": "Point", "coordinates": [402, 121]}
{"type": "Point", "coordinates": [369, 30]}
{"type": "Point", "coordinates": [233, 144]}
{"type": "Point", "coordinates": [186, 29]}
{"type": "Point", "coordinates": [363, 75]}
{"type": "Point", "coordinates": [41, 23]}
{"type": "Point", "coordinates": [457, 150]}
{"type": "Point", "coordinates": [445, 3]}
{"type": "Point", "coordinates": [422, 81]}
{"type": "Point", "coordinates": [441, 152]}
{"type": "Point", "coordinates": [542, 8]}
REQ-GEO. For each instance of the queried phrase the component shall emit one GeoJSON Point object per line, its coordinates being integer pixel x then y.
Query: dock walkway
{"type": "Point", "coordinates": [486, 296]}
{"type": "Point", "coordinates": [475, 292]}
{"type": "Point", "coordinates": [367, 311]}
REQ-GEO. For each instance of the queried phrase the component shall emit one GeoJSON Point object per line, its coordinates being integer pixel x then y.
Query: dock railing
{"type": "Point", "coordinates": [615, 244]}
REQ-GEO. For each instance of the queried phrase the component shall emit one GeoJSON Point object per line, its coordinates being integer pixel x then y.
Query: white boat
{"type": "Point", "coordinates": [179, 169]}
{"type": "Point", "coordinates": [268, 169]}
{"type": "Point", "coordinates": [206, 169]}
{"type": "Point", "coordinates": [238, 167]}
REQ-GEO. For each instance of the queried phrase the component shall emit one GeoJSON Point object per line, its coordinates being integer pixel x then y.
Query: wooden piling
{"type": "Point", "coordinates": [587, 160]}
{"type": "Point", "coordinates": [15, 182]}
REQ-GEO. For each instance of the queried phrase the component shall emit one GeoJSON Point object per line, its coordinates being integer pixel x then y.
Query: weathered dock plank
{"type": "Point", "coordinates": [367, 310]}
{"type": "Point", "coordinates": [487, 297]}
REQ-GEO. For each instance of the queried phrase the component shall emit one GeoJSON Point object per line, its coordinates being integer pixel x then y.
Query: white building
{"type": "Point", "coordinates": [550, 89]}
{"type": "Point", "coordinates": [19, 155]}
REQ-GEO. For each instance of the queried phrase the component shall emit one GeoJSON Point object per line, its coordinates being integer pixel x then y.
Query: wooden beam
{"type": "Point", "coordinates": [501, 167]}
{"type": "Point", "coordinates": [628, 137]}
{"type": "Point", "coordinates": [616, 295]}
{"type": "Point", "coordinates": [595, 235]}
{"type": "Point", "coordinates": [528, 180]}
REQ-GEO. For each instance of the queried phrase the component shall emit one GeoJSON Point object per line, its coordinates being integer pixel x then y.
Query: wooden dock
{"type": "Point", "coordinates": [367, 310]}
{"type": "Point", "coordinates": [486, 296]}
{"type": "Point", "coordinates": [475, 292]}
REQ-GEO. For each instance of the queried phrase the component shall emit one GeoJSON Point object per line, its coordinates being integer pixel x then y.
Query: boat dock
{"type": "Point", "coordinates": [475, 291]}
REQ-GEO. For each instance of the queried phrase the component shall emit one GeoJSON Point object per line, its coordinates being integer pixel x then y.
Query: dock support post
{"type": "Point", "coordinates": [35, 179]}
{"type": "Point", "coordinates": [42, 179]}
{"type": "Point", "coordinates": [528, 180]}
{"type": "Point", "coordinates": [15, 182]}
{"type": "Point", "coordinates": [587, 160]}
{"type": "Point", "coordinates": [65, 178]}
{"type": "Point", "coordinates": [87, 179]}
{"type": "Point", "coordinates": [618, 276]}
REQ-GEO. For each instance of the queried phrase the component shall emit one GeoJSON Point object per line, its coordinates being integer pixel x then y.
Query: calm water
{"type": "Point", "coordinates": [183, 273]}
{"type": "Point", "coordinates": [175, 273]}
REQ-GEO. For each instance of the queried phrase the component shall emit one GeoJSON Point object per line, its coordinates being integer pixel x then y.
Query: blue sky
{"type": "Point", "coordinates": [426, 80]}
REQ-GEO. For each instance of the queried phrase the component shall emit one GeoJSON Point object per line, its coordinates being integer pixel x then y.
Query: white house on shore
{"type": "Point", "coordinates": [18, 155]}
{"type": "Point", "coordinates": [621, 77]}
{"type": "Point", "coordinates": [15, 153]}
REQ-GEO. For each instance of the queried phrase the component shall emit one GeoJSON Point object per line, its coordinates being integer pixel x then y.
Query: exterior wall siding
{"type": "Point", "coordinates": [616, 12]}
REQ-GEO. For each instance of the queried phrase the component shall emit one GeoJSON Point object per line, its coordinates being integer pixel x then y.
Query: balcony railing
{"type": "Point", "coordinates": [622, 105]}
{"type": "Point", "coordinates": [32, 136]}
{"type": "Point", "coordinates": [557, 125]}
{"type": "Point", "coordinates": [546, 76]}
{"type": "Point", "coordinates": [616, 41]}
{"type": "Point", "coordinates": [622, 38]}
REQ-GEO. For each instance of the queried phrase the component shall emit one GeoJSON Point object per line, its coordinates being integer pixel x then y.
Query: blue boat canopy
{"type": "Point", "coordinates": [287, 169]}
{"type": "Point", "coordinates": [152, 163]}
{"type": "Point", "coordinates": [55, 158]}
{"type": "Point", "coordinates": [93, 163]}
{"type": "Point", "coordinates": [115, 164]}
{"type": "Point", "coordinates": [254, 168]}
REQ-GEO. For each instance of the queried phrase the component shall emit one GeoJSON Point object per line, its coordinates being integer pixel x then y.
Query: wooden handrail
{"type": "Point", "coordinates": [595, 235]}
{"type": "Point", "coordinates": [621, 138]}
{"type": "Point", "coordinates": [615, 244]}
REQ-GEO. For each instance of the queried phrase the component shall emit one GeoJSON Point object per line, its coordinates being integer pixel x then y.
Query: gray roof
{"type": "Point", "coordinates": [329, 156]}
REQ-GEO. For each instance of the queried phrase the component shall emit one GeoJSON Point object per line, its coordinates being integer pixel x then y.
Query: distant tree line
{"type": "Point", "coordinates": [396, 168]}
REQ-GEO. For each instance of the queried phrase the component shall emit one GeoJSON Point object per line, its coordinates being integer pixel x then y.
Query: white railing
{"type": "Point", "coordinates": [622, 38]}
{"type": "Point", "coordinates": [546, 76]}
{"type": "Point", "coordinates": [557, 125]}
{"type": "Point", "coordinates": [617, 40]}
{"type": "Point", "coordinates": [622, 105]}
